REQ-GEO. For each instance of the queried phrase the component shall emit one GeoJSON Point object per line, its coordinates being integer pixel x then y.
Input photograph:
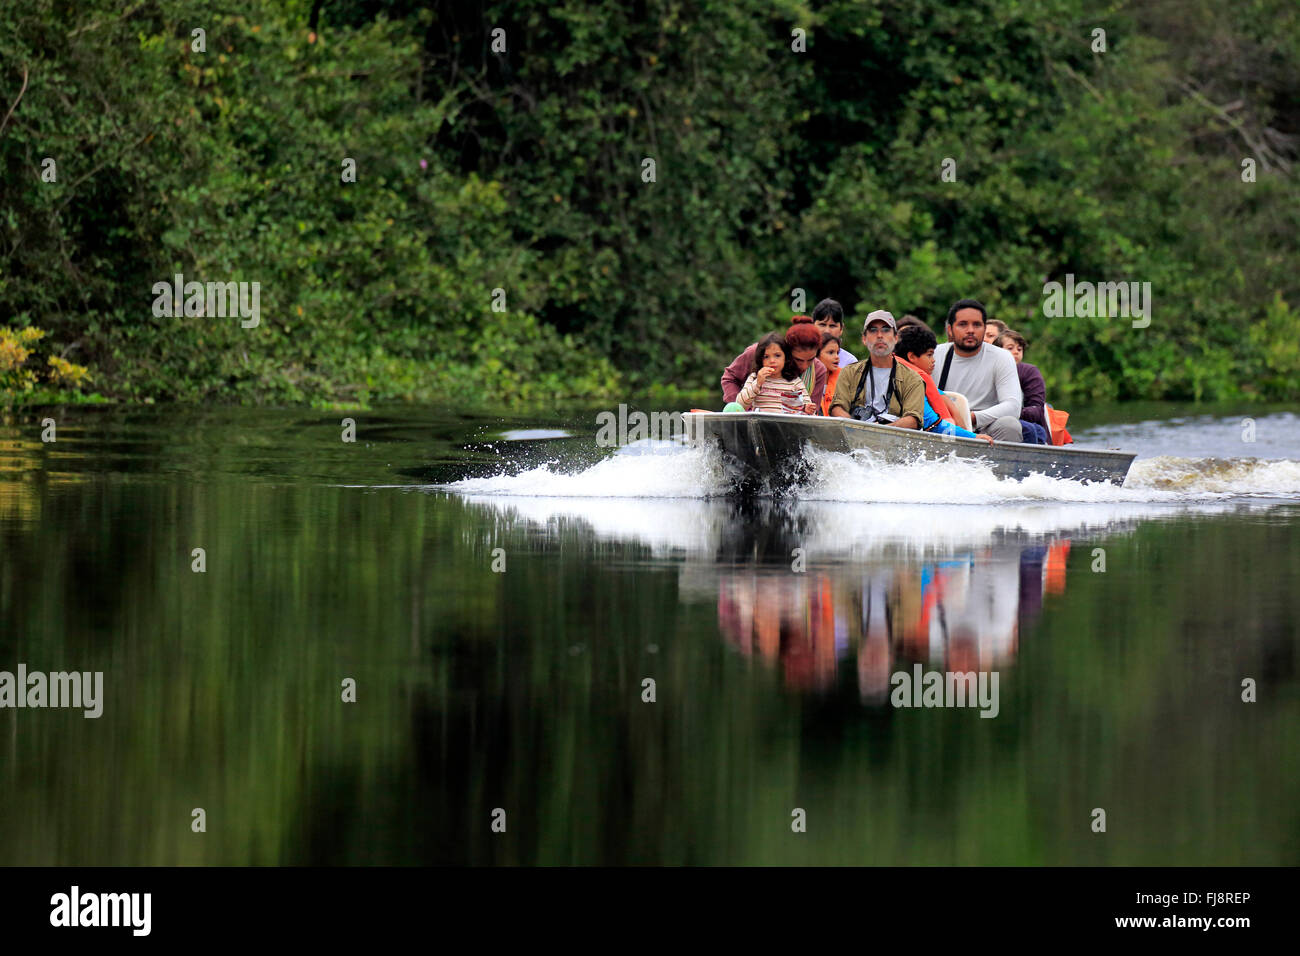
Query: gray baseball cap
{"type": "Point", "coordinates": [880, 315]}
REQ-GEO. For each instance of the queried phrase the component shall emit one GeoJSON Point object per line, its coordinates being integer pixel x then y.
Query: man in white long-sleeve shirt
{"type": "Point", "coordinates": [984, 373]}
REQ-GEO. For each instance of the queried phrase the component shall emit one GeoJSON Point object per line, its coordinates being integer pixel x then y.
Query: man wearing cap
{"type": "Point", "coordinates": [879, 389]}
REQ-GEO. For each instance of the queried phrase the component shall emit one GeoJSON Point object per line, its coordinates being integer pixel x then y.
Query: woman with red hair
{"type": "Point", "coordinates": [804, 339]}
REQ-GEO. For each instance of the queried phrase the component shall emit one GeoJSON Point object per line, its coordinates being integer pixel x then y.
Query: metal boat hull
{"type": "Point", "coordinates": [770, 445]}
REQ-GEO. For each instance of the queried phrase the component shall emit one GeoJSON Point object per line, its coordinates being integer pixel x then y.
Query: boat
{"type": "Point", "coordinates": [767, 445]}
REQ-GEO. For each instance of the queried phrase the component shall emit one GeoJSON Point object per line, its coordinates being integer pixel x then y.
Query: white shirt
{"type": "Point", "coordinates": [988, 379]}
{"type": "Point", "coordinates": [880, 379]}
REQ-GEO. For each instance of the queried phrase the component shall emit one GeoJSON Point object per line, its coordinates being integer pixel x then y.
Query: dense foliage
{"type": "Point", "coordinates": [524, 171]}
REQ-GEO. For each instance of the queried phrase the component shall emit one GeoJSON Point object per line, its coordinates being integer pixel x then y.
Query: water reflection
{"type": "Point", "coordinates": [836, 596]}
{"type": "Point", "coordinates": [960, 611]}
{"type": "Point", "coordinates": [963, 614]}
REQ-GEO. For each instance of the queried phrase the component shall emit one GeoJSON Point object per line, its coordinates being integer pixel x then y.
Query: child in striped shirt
{"type": "Point", "coordinates": [775, 384]}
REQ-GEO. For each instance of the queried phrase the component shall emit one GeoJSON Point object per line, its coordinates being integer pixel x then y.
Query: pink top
{"type": "Point", "coordinates": [774, 395]}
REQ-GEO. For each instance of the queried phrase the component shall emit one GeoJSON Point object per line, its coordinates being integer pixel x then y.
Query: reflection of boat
{"type": "Point", "coordinates": [963, 614]}
{"type": "Point", "coordinates": [768, 444]}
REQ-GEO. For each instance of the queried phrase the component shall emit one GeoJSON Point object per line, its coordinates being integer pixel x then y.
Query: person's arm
{"type": "Point", "coordinates": [911, 411]}
{"type": "Point", "coordinates": [963, 433]}
{"type": "Point", "coordinates": [1006, 384]}
{"type": "Point", "coordinates": [819, 382]}
{"type": "Point", "coordinates": [749, 392]}
{"type": "Point", "coordinates": [800, 397]}
{"type": "Point", "coordinates": [733, 376]}
{"type": "Point", "coordinates": [1035, 392]}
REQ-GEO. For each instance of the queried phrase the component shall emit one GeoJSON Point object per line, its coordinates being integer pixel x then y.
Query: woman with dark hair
{"type": "Point", "coordinates": [1033, 412]}
{"type": "Point", "coordinates": [803, 339]}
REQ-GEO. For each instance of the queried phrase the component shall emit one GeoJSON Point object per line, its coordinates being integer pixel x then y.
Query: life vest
{"type": "Point", "coordinates": [932, 393]}
{"type": "Point", "coordinates": [832, 376]}
{"type": "Point", "coordinates": [1057, 419]}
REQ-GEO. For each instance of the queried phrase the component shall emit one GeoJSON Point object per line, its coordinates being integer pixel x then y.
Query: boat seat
{"type": "Point", "coordinates": [962, 407]}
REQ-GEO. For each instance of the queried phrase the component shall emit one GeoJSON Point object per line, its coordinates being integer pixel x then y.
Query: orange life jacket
{"type": "Point", "coordinates": [828, 396]}
{"type": "Point", "coordinates": [1057, 419]}
{"type": "Point", "coordinates": [932, 393]}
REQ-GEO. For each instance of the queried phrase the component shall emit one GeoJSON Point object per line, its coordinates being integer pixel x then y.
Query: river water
{"type": "Point", "coordinates": [599, 654]}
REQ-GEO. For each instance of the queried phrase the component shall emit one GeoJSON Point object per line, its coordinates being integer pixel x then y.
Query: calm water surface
{"type": "Point", "coordinates": [1120, 623]}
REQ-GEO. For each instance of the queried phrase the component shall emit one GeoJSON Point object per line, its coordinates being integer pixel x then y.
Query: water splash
{"type": "Point", "coordinates": [1219, 476]}
{"type": "Point", "coordinates": [657, 470]}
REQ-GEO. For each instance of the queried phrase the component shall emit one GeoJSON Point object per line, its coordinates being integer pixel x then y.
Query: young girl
{"type": "Point", "coordinates": [830, 357]}
{"type": "Point", "coordinates": [774, 385]}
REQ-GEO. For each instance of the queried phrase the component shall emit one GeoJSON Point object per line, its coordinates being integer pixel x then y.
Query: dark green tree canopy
{"type": "Point", "coordinates": [578, 198]}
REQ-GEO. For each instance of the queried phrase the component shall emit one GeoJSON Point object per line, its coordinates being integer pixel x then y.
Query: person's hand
{"type": "Point", "coordinates": [810, 409]}
{"type": "Point", "coordinates": [987, 438]}
{"type": "Point", "coordinates": [764, 374]}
